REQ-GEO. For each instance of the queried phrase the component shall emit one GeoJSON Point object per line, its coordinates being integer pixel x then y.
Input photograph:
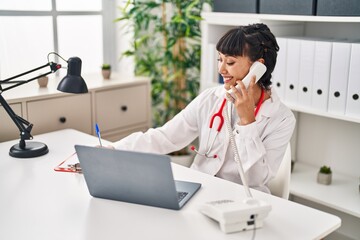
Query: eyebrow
{"type": "Point", "coordinates": [227, 55]}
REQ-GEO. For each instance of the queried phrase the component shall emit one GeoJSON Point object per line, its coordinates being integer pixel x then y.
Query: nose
{"type": "Point", "coordinates": [222, 67]}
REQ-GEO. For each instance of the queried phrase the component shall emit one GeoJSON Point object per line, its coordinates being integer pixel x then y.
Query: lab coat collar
{"type": "Point", "coordinates": [271, 105]}
{"type": "Point", "coordinates": [268, 108]}
{"type": "Point", "coordinates": [220, 92]}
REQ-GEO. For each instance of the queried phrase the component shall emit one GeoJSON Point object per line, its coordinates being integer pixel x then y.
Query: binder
{"type": "Point", "coordinates": [321, 78]}
{"type": "Point", "coordinates": [279, 73]}
{"type": "Point", "coordinates": [292, 70]}
{"type": "Point", "coordinates": [353, 92]}
{"type": "Point", "coordinates": [339, 74]}
{"type": "Point", "coordinates": [306, 71]}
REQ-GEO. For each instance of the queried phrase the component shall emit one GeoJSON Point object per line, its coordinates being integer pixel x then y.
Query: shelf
{"type": "Point", "coordinates": [322, 113]}
{"type": "Point", "coordinates": [231, 19]}
{"type": "Point", "coordinates": [342, 194]}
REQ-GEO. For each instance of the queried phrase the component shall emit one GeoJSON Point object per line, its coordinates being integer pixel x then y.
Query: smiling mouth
{"type": "Point", "coordinates": [227, 79]}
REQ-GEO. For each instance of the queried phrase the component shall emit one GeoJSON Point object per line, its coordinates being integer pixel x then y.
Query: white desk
{"type": "Point", "coordinates": [38, 203]}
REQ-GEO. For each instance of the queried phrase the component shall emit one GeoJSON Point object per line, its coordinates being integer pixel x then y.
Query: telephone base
{"type": "Point", "coordinates": [235, 216]}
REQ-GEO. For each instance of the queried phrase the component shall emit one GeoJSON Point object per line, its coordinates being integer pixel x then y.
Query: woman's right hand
{"type": "Point", "coordinates": [108, 146]}
{"type": "Point", "coordinates": [244, 102]}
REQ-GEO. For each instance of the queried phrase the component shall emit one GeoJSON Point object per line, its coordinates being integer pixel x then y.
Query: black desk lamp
{"type": "Point", "coordinates": [71, 83]}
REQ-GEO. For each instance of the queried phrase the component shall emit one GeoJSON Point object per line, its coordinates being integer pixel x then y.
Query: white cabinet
{"type": "Point", "coordinates": [120, 106]}
{"type": "Point", "coordinates": [320, 137]}
{"type": "Point", "coordinates": [122, 110]}
{"type": "Point", "coordinates": [51, 114]}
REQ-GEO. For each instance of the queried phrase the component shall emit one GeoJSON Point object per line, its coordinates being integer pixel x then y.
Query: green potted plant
{"type": "Point", "coordinates": [166, 47]}
{"type": "Point", "coordinates": [106, 70]}
{"type": "Point", "coordinates": [324, 175]}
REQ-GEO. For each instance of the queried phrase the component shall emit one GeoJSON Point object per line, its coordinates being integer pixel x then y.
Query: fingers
{"type": "Point", "coordinates": [251, 86]}
{"type": "Point", "coordinates": [252, 81]}
{"type": "Point", "coordinates": [229, 97]}
{"type": "Point", "coordinates": [240, 90]}
{"type": "Point", "coordinates": [244, 101]}
{"type": "Point", "coordinates": [107, 146]}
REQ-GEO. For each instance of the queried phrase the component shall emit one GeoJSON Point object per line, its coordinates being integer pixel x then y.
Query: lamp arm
{"type": "Point", "coordinates": [24, 126]}
{"type": "Point", "coordinates": [53, 66]}
{"type": "Point", "coordinates": [22, 74]}
{"type": "Point", "coordinates": [71, 83]}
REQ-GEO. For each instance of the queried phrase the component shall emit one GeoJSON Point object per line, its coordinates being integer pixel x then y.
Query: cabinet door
{"type": "Point", "coordinates": [117, 135]}
{"type": "Point", "coordinates": [49, 115]}
{"type": "Point", "coordinates": [123, 107]}
{"type": "Point", "coordinates": [8, 129]}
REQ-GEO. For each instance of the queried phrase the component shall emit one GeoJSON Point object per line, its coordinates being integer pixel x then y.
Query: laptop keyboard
{"type": "Point", "coordinates": [181, 195]}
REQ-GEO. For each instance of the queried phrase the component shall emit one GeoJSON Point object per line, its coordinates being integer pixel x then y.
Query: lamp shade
{"type": "Point", "coordinates": [73, 82]}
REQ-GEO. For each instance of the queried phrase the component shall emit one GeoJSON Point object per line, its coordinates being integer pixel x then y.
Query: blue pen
{"type": "Point", "coordinates": [98, 133]}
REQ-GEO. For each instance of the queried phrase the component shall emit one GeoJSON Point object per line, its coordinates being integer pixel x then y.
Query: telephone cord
{"type": "Point", "coordinates": [236, 153]}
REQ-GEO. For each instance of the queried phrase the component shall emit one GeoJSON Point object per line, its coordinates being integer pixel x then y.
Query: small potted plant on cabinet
{"type": "Point", "coordinates": [106, 70]}
{"type": "Point", "coordinates": [324, 175]}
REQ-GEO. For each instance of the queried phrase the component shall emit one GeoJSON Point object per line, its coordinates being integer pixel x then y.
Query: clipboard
{"type": "Point", "coordinates": [70, 164]}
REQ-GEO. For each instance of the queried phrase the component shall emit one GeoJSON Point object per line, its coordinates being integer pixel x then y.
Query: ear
{"type": "Point", "coordinates": [261, 60]}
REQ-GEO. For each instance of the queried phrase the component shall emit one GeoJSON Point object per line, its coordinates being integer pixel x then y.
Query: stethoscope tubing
{"type": "Point", "coordinates": [203, 154]}
{"type": "Point", "coordinates": [220, 115]}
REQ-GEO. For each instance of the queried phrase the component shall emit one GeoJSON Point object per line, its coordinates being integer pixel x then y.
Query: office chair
{"type": "Point", "coordinates": [280, 185]}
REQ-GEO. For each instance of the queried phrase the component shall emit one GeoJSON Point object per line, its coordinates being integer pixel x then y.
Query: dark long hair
{"type": "Point", "coordinates": [255, 41]}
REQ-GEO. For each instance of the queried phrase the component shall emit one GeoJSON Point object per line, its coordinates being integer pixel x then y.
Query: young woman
{"type": "Point", "coordinates": [261, 125]}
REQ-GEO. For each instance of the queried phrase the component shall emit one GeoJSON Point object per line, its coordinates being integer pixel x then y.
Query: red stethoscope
{"type": "Point", "coordinates": [219, 115]}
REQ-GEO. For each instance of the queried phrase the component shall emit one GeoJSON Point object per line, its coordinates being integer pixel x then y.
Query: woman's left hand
{"type": "Point", "coordinates": [244, 102]}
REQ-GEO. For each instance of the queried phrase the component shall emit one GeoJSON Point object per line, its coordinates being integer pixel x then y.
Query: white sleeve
{"type": "Point", "coordinates": [261, 156]}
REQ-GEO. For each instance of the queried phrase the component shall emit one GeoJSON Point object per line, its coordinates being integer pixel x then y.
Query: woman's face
{"type": "Point", "coordinates": [233, 68]}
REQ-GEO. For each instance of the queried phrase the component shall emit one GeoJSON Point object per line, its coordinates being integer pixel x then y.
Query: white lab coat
{"type": "Point", "coordinates": [261, 145]}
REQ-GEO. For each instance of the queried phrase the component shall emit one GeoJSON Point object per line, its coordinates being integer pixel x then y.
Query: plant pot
{"type": "Point", "coordinates": [106, 73]}
{"type": "Point", "coordinates": [184, 160]}
{"type": "Point", "coordinates": [324, 178]}
{"type": "Point", "coordinates": [43, 82]}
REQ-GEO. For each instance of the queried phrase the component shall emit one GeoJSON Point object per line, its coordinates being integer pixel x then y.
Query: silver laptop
{"type": "Point", "coordinates": [134, 177]}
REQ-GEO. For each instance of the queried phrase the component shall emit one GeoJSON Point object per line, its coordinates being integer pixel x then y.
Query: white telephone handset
{"type": "Point", "coordinates": [258, 69]}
